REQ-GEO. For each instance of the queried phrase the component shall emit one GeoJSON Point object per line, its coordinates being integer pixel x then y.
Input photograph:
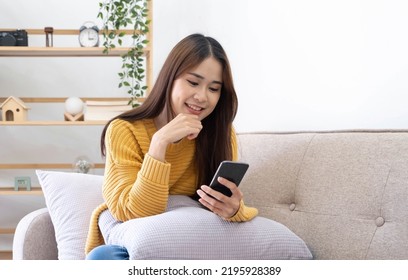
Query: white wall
{"type": "Point", "coordinates": [298, 65]}
{"type": "Point", "coordinates": [304, 65]}
{"type": "Point", "coordinates": [329, 64]}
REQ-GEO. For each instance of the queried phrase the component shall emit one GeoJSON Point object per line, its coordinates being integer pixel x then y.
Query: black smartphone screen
{"type": "Point", "coordinates": [231, 170]}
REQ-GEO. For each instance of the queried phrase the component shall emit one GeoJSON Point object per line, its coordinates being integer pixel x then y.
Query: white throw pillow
{"type": "Point", "coordinates": [188, 231]}
{"type": "Point", "coordinates": [70, 199]}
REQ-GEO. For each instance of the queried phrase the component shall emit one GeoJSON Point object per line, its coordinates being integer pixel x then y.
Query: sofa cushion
{"type": "Point", "coordinates": [70, 199]}
{"type": "Point", "coordinates": [188, 231]}
{"type": "Point", "coordinates": [331, 187]}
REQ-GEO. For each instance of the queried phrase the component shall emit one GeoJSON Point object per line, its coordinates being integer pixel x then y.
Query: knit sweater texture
{"type": "Point", "coordinates": [137, 185]}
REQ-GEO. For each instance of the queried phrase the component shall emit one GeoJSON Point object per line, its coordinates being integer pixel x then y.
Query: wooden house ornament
{"type": "Point", "coordinates": [14, 109]}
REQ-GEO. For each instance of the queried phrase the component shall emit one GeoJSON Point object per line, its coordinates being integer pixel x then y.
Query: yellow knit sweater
{"type": "Point", "coordinates": [137, 185]}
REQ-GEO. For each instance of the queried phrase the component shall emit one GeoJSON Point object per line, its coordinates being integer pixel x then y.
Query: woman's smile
{"type": "Point", "coordinates": [194, 109]}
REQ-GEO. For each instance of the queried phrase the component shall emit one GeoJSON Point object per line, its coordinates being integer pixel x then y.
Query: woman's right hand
{"type": "Point", "coordinates": [183, 125]}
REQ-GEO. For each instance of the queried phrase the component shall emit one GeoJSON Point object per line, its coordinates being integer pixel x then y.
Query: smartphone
{"type": "Point", "coordinates": [232, 171]}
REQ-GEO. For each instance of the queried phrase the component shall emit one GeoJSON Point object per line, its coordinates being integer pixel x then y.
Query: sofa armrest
{"type": "Point", "coordinates": [34, 238]}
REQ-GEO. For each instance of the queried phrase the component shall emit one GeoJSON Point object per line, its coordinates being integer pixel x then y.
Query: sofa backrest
{"type": "Point", "coordinates": [345, 193]}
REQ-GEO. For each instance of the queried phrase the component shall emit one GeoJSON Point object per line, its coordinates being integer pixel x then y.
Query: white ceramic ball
{"type": "Point", "coordinates": [74, 105]}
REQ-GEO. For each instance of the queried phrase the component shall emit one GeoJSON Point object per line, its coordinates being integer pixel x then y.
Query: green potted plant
{"type": "Point", "coordinates": [118, 15]}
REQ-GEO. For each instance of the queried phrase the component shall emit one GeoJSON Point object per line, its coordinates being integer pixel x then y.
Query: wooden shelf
{"type": "Point", "coordinates": [63, 99]}
{"type": "Point", "coordinates": [11, 191]}
{"type": "Point", "coordinates": [44, 166]}
{"type": "Point", "coordinates": [54, 123]}
{"type": "Point", "coordinates": [33, 31]}
{"type": "Point", "coordinates": [7, 231]}
{"type": "Point", "coordinates": [6, 255]}
{"type": "Point", "coordinates": [60, 52]}
{"type": "Point", "coordinates": [51, 53]}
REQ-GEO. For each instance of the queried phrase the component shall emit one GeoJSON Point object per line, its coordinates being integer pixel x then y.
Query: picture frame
{"type": "Point", "coordinates": [23, 183]}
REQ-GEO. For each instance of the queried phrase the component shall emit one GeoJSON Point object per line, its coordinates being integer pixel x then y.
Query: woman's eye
{"type": "Point", "coordinates": [192, 83]}
{"type": "Point", "coordinates": [214, 89]}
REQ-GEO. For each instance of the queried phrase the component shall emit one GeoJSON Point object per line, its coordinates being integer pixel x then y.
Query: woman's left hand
{"type": "Point", "coordinates": [222, 205]}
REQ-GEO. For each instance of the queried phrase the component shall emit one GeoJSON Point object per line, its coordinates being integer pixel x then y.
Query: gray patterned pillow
{"type": "Point", "coordinates": [181, 231]}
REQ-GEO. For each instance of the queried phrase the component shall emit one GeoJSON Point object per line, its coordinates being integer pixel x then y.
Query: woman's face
{"type": "Point", "coordinates": [197, 91]}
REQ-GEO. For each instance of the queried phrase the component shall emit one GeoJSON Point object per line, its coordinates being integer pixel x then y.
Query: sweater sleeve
{"type": "Point", "coordinates": [135, 184]}
{"type": "Point", "coordinates": [244, 212]}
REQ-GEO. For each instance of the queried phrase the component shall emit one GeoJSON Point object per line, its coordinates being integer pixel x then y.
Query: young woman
{"type": "Point", "coordinates": [173, 143]}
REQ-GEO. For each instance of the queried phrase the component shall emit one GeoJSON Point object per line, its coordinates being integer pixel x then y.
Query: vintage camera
{"type": "Point", "coordinates": [13, 38]}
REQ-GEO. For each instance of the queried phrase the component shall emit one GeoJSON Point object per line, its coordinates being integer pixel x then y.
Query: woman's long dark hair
{"type": "Point", "coordinates": [213, 143]}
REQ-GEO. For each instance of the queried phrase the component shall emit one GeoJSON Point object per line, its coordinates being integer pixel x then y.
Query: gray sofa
{"type": "Point", "coordinates": [345, 193]}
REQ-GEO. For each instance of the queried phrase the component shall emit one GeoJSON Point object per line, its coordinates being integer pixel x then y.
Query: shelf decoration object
{"type": "Point", "coordinates": [89, 35]}
{"type": "Point", "coordinates": [117, 15]}
{"type": "Point", "coordinates": [14, 109]}
{"type": "Point", "coordinates": [49, 31]}
{"type": "Point", "coordinates": [74, 107]}
{"type": "Point", "coordinates": [82, 165]}
{"type": "Point", "coordinates": [105, 110]}
{"type": "Point", "coordinates": [22, 182]}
